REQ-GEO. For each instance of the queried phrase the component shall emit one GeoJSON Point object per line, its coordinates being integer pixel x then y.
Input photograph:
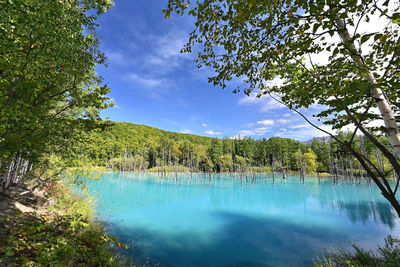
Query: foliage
{"type": "Point", "coordinates": [263, 40]}
{"type": "Point", "coordinates": [49, 91]}
{"type": "Point", "coordinates": [388, 255]}
{"type": "Point", "coordinates": [126, 144]}
{"type": "Point", "coordinates": [68, 236]}
{"type": "Point", "coordinates": [283, 42]}
{"type": "Point", "coordinates": [310, 161]}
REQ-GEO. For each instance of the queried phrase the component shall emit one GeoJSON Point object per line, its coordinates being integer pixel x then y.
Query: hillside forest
{"type": "Point", "coordinates": [132, 147]}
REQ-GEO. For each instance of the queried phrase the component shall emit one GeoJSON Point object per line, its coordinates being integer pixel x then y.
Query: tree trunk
{"type": "Point", "coordinates": [382, 103]}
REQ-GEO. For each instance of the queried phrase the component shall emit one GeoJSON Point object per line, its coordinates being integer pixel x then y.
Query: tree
{"type": "Point", "coordinates": [269, 40]}
{"type": "Point", "coordinates": [321, 150]}
{"type": "Point", "coordinates": [310, 161]}
{"type": "Point", "coordinates": [50, 93]}
{"type": "Point", "coordinates": [215, 151]}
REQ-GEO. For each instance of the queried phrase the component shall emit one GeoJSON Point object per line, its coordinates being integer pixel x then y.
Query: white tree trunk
{"type": "Point", "coordinates": [382, 103]}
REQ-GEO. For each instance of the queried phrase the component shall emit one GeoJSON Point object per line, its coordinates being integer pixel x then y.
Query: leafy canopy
{"type": "Point", "coordinates": [49, 90]}
{"type": "Point", "coordinates": [287, 41]}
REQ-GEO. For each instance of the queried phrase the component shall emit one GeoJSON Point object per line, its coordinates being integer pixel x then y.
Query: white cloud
{"type": "Point", "coordinates": [115, 58]}
{"type": "Point", "coordinates": [250, 100]}
{"type": "Point", "coordinates": [305, 131]}
{"type": "Point", "coordinates": [166, 53]}
{"type": "Point", "coordinates": [271, 104]}
{"type": "Point", "coordinates": [265, 102]}
{"type": "Point", "coordinates": [301, 134]}
{"type": "Point", "coordinates": [299, 126]}
{"type": "Point", "coordinates": [266, 122]}
{"type": "Point", "coordinates": [247, 132]}
{"type": "Point", "coordinates": [154, 87]}
{"type": "Point", "coordinates": [262, 130]}
{"type": "Point", "coordinates": [256, 131]}
{"type": "Point", "coordinates": [155, 60]}
{"type": "Point", "coordinates": [352, 127]}
{"type": "Point", "coordinates": [211, 132]}
{"type": "Point", "coordinates": [170, 44]}
{"type": "Point", "coordinates": [248, 125]}
{"type": "Point", "coordinates": [204, 124]}
{"type": "Point", "coordinates": [277, 81]}
{"type": "Point", "coordinates": [146, 81]}
{"type": "Point", "coordinates": [283, 121]}
{"type": "Point", "coordinates": [186, 131]}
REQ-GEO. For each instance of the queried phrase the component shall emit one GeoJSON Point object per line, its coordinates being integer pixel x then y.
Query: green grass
{"type": "Point", "coordinates": [67, 235]}
{"type": "Point", "coordinates": [386, 256]}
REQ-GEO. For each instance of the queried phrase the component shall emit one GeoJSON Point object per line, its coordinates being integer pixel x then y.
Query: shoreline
{"type": "Point", "coordinates": [34, 224]}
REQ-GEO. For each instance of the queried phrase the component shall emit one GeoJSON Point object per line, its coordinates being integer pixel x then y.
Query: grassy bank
{"type": "Point", "coordinates": [61, 231]}
{"type": "Point", "coordinates": [387, 255]}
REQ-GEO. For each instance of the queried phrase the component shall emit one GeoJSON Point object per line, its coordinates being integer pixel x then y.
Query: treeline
{"type": "Point", "coordinates": [131, 147]}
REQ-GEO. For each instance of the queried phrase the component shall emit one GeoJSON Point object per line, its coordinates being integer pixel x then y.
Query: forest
{"type": "Point", "coordinates": [53, 137]}
{"type": "Point", "coordinates": [132, 147]}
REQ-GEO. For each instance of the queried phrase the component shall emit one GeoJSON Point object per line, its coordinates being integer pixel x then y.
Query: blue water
{"type": "Point", "coordinates": [228, 222]}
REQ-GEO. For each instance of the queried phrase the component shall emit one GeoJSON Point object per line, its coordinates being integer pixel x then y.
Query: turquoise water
{"type": "Point", "coordinates": [228, 222]}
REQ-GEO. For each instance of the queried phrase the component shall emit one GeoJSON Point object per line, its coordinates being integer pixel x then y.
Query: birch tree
{"type": "Point", "coordinates": [342, 55]}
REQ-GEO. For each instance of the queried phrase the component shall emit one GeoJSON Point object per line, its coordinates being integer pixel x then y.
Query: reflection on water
{"type": "Point", "coordinates": [362, 211]}
{"type": "Point", "coordinates": [224, 221]}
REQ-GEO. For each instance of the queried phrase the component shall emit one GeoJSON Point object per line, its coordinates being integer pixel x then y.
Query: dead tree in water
{"type": "Point", "coordinates": [191, 166]}
{"type": "Point", "coordinates": [337, 172]}
{"type": "Point", "coordinates": [141, 162]}
{"type": "Point", "coordinates": [162, 170]}
{"type": "Point", "coordinates": [158, 168]}
{"type": "Point", "coordinates": [176, 172]}
{"type": "Point", "coordinates": [301, 169]}
{"type": "Point", "coordinates": [273, 168]}
{"type": "Point", "coordinates": [251, 172]}
{"type": "Point", "coordinates": [245, 165]}
{"type": "Point", "coordinates": [169, 161]}
{"type": "Point", "coordinates": [233, 162]}
{"type": "Point", "coordinates": [351, 171]}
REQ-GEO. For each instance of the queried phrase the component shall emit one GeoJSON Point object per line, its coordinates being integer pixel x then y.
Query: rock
{"type": "Point", "coordinates": [23, 208]}
{"type": "Point", "coordinates": [39, 193]}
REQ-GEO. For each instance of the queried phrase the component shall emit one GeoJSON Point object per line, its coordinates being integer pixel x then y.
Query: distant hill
{"type": "Point", "coordinates": [323, 138]}
{"type": "Point", "coordinates": [143, 134]}
{"type": "Point", "coordinates": [121, 139]}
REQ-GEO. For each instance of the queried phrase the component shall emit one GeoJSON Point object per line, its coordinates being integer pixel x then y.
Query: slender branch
{"type": "Point", "coordinates": [361, 120]}
{"type": "Point", "coordinates": [307, 120]}
{"type": "Point", "coordinates": [387, 153]}
{"type": "Point", "coordinates": [397, 185]}
{"type": "Point", "coordinates": [367, 168]}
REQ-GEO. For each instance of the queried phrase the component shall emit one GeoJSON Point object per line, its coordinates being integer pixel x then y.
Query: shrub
{"type": "Point", "coordinates": [387, 256]}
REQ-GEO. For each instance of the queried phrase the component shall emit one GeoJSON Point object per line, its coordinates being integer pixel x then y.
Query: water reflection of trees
{"type": "Point", "coordinates": [362, 211]}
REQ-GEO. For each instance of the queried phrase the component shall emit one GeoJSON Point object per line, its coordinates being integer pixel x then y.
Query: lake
{"type": "Point", "coordinates": [192, 221]}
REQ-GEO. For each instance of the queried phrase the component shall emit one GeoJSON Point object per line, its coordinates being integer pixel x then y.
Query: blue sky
{"type": "Point", "coordinates": [153, 84]}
